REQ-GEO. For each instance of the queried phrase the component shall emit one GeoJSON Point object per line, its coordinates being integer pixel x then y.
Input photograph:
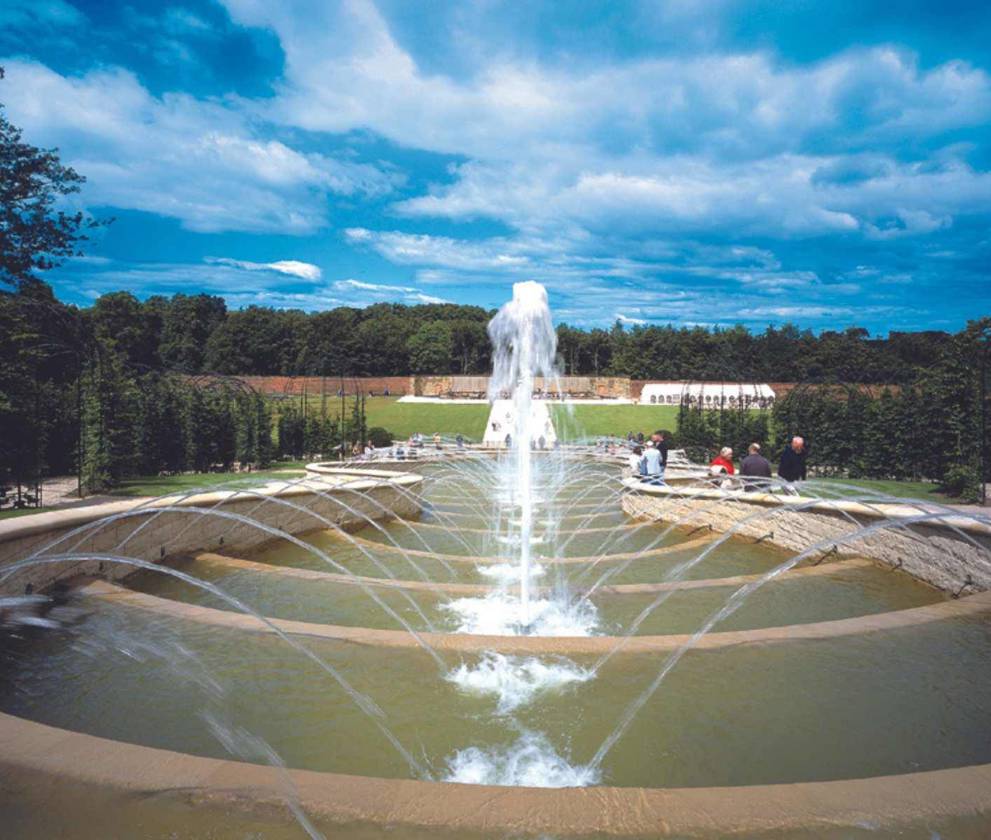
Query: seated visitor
{"type": "Point", "coordinates": [757, 466]}
{"type": "Point", "coordinates": [634, 460]}
{"type": "Point", "coordinates": [723, 462]}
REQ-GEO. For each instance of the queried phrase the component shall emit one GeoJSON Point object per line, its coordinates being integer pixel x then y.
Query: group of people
{"type": "Point", "coordinates": [400, 451]}
{"type": "Point", "coordinates": [648, 461]}
{"type": "Point", "coordinates": [649, 458]}
{"type": "Point", "coordinates": [755, 469]}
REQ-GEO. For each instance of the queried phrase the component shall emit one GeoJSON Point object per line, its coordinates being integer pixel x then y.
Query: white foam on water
{"type": "Point", "coordinates": [515, 680]}
{"type": "Point", "coordinates": [515, 540]}
{"type": "Point", "coordinates": [507, 573]}
{"type": "Point", "coordinates": [530, 762]}
{"type": "Point", "coordinates": [500, 614]}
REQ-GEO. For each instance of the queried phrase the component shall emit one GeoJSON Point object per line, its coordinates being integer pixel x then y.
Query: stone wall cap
{"type": "Point", "coordinates": [975, 523]}
{"type": "Point", "coordinates": [32, 524]}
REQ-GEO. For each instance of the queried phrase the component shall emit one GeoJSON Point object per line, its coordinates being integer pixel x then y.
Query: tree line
{"type": "Point", "coordinates": [198, 334]}
{"type": "Point", "coordinates": [84, 392]}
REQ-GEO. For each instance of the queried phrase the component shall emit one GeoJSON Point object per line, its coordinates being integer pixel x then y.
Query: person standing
{"type": "Point", "coordinates": [653, 469]}
{"type": "Point", "coordinates": [757, 466]}
{"type": "Point", "coordinates": [659, 439]}
{"type": "Point", "coordinates": [792, 467]}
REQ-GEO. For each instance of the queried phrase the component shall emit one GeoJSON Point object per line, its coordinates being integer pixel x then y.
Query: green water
{"type": "Point", "coordinates": [899, 701]}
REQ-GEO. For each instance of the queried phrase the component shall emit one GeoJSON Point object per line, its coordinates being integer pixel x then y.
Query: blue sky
{"type": "Point", "coordinates": [686, 162]}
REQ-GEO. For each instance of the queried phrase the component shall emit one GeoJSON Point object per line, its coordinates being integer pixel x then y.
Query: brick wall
{"type": "Point", "coordinates": [295, 385]}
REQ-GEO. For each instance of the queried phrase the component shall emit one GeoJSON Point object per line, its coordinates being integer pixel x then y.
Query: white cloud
{"type": "Point", "coordinates": [303, 270]}
{"type": "Point", "coordinates": [420, 249]}
{"type": "Point", "coordinates": [371, 287]}
{"type": "Point", "coordinates": [195, 160]}
{"type": "Point", "coordinates": [626, 319]}
{"type": "Point", "coordinates": [381, 291]}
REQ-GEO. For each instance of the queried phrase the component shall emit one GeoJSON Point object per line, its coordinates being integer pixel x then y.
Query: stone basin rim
{"type": "Point", "coordinates": [823, 569]}
{"type": "Point", "coordinates": [127, 768]}
{"type": "Point", "coordinates": [576, 645]}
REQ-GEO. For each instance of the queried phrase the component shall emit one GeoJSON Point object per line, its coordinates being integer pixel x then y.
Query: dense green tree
{"type": "Point", "coordinates": [121, 324]}
{"type": "Point", "coordinates": [187, 323]}
{"type": "Point", "coordinates": [110, 423]}
{"type": "Point", "coordinates": [34, 235]}
{"type": "Point", "coordinates": [430, 348]}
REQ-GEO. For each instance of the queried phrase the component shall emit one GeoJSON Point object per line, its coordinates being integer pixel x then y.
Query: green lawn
{"type": "Point", "coordinates": [12, 513]}
{"type": "Point", "coordinates": [157, 485]}
{"type": "Point", "coordinates": [923, 490]}
{"type": "Point", "coordinates": [403, 419]}
{"type": "Point", "coordinates": [580, 421]}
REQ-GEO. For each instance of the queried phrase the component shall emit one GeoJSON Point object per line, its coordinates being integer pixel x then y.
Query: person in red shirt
{"type": "Point", "coordinates": [723, 461]}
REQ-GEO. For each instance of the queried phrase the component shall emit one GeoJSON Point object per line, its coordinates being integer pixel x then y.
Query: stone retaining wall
{"type": "Point", "coordinates": [153, 529]}
{"type": "Point", "coordinates": [952, 554]}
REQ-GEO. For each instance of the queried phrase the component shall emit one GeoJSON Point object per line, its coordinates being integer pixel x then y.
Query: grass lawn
{"type": "Point", "coordinates": [598, 420]}
{"type": "Point", "coordinates": [403, 419]}
{"type": "Point", "coordinates": [12, 513]}
{"type": "Point", "coordinates": [923, 490]}
{"type": "Point", "coordinates": [158, 485]}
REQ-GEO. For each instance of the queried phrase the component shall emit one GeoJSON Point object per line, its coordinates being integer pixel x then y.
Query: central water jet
{"type": "Point", "coordinates": [524, 346]}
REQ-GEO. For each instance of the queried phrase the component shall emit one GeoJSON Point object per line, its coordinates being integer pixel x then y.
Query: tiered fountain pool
{"type": "Point", "coordinates": [489, 645]}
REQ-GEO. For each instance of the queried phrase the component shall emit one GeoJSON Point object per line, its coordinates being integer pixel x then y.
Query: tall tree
{"type": "Point", "coordinates": [35, 233]}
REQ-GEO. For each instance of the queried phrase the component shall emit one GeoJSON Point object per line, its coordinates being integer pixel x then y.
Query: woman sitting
{"type": "Point", "coordinates": [722, 463]}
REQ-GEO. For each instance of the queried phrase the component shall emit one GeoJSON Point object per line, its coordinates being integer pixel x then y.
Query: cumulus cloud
{"type": "Point", "coordinates": [194, 160]}
{"type": "Point", "coordinates": [420, 249]}
{"type": "Point", "coordinates": [644, 183]}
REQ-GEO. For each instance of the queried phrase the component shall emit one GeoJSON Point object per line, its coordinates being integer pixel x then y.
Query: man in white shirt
{"type": "Point", "coordinates": [653, 469]}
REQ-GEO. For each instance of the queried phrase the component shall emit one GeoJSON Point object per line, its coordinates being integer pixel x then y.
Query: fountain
{"type": "Point", "coordinates": [524, 345]}
{"type": "Point", "coordinates": [497, 641]}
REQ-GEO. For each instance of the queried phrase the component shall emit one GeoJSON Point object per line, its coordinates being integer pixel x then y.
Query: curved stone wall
{"type": "Point", "coordinates": [949, 551]}
{"type": "Point", "coordinates": [150, 530]}
{"type": "Point", "coordinates": [971, 605]}
{"type": "Point", "coordinates": [882, 802]}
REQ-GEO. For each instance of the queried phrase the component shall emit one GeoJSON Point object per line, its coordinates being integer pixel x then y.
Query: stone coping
{"type": "Point", "coordinates": [479, 560]}
{"type": "Point", "coordinates": [440, 526]}
{"type": "Point", "coordinates": [23, 526]}
{"type": "Point", "coordinates": [130, 769]}
{"type": "Point", "coordinates": [971, 523]}
{"type": "Point", "coordinates": [823, 569]}
{"type": "Point", "coordinates": [970, 605]}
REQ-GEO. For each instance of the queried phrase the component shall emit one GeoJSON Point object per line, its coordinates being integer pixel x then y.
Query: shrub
{"type": "Point", "coordinates": [962, 481]}
{"type": "Point", "coordinates": [379, 437]}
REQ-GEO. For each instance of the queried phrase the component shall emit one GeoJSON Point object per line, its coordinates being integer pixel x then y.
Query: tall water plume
{"type": "Point", "coordinates": [524, 346]}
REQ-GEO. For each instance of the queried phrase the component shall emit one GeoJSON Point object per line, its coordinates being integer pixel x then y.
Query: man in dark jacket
{"type": "Point", "coordinates": [792, 466]}
{"type": "Point", "coordinates": [659, 439]}
{"type": "Point", "coordinates": [755, 465]}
